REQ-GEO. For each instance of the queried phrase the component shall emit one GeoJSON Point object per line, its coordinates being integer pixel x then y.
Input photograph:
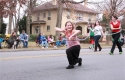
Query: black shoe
{"type": "Point", "coordinates": [75, 63]}
{"type": "Point", "coordinates": [70, 67]}
{"type": "Point", "coordinates": [80, 62]}
{"type": "Point", "coordinates": [100, 49]}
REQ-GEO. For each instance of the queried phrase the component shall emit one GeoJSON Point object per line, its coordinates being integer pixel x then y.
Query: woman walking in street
{"type": "Point", "coordinates": [74, 47]}
{"type": "Point", "coordinates": [115, 26]}
{"type": "Point", "coordinates": [97, 35]}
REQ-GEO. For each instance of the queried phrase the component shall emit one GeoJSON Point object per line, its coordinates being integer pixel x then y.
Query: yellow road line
{"type": "Point", "coordinates": [43, 56]}
{"type": "Point", "coordinates": [39, 56]}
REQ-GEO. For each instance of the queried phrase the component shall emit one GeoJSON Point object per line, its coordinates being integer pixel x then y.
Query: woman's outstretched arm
{"type": "Point", "coordinates": [59, 29]}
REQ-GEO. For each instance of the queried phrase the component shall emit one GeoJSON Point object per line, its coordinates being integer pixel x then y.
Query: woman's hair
{"type": "Point", "coordinates": [13, 33]}
{"type": "Point", "coordinates": [98, 23]}
{"type": "Point", "coordinates": [92, 24]}
{"type": "Point", "coordinates": [50, 36]}
{"type": "Point", "coordinates": [60, 35]}
{"type": "Point", "coordinates": [115, 16]}
{"type": "Point", "coordinates": [39, 34]}
{"type": "Point", "coordinates": [71, 24]}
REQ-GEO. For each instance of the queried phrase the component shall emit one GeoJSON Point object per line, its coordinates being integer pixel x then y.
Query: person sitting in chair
{"type": "Point", "coordinates": [12, 39]}
{"type": "Point", "coordinates": [63, 42]}
{"type": "Point", "coordinates": [24, 39]}
{"type": "Point", "coordinates": [44, 41]}
{"type": "Point", "coordinates": [1, 40]}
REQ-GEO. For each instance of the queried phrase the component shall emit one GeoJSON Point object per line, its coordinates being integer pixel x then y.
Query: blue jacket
{"type": "Point", "coordinates": [43, 38]}
{"type": "Point", "coordinates": [24, 37]}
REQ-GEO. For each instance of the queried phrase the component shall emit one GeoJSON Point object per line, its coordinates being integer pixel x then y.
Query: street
{"type": "Point", "coordinates": [51, 65]}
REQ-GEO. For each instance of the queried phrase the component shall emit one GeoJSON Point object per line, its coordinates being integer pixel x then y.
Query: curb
{"type": "Point", "coordinates": [19, 50]}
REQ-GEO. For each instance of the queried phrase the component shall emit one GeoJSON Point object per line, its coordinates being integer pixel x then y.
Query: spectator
{"type": "Point", "coordinates": [60, 37]}
{"type": "Point", "coordinates": [12, 38]}
{"type": "Point", "coordinates": [38, 39]}
{"type": "Point", "coordinates": [51, 40]}
{"type": "Point", "coordinates": [24, 39]}
{"type": "Point", "coordinates": [58, 42]}
{"type": "Point", "coordinates": [44, 41]}
{"type": "Point", "coordinates": [63, 42]}
{"type": "Point", "coordinates": [1, 40]}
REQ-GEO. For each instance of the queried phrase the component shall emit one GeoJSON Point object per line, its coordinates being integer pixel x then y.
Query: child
{"type": "Point", "coordinates": [91, 37]}
{"type": "Point", "coordinates": [74, 47]}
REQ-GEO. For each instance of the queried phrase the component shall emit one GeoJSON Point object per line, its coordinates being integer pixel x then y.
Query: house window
{"type": "Point", "coordinates": [44, 15]}
{"type": "Point", "coordinates": [49, 18]}
{"type": "Point", "coordinates": [48, 28]}
{"type": "Point", "coordinates": [90, 17]}
{"type": "Point", "coordinates": [49, 15]}
{"type": "Point", "coordinates": [37, 30]}
{"type": "Point", "coordinates": [79, 16]}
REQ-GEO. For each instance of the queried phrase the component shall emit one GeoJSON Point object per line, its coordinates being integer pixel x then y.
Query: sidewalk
{"type": "Point", "coordinates": [33, 47]}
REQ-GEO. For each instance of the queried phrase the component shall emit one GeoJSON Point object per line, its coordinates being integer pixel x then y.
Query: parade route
{"type": "Point", "coordinates": [51, 65]}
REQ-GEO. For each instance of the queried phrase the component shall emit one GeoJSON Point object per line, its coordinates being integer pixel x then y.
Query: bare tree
{"type": "Point", "coordinates": [109, 8]}
{"type": "Point", "coordinates": [31, 6]}
{"type": "Point", "coordinates": [7, 8]}
{"type": "Point", "coordinates": [59, 15]}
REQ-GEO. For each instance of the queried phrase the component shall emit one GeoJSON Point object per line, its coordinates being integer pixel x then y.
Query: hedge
{"type": "Point", "coordinates": [2, 36]}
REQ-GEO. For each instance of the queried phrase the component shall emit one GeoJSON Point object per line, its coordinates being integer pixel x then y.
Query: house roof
{"type": "Point", "coordinates": [49, 6]}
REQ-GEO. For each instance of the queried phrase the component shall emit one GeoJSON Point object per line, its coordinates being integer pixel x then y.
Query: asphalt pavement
{"type": "Point", "coordinates": [51, 65]}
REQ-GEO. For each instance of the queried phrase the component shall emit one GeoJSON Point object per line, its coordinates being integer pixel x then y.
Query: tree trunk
{"type": "Point", "coordinates": [59, 16]}
{"type": "Point", "coordinates": [10, 24]}
{"type": "Point", "coordinates": [31, 6]}
{"type": "Point", "coordinates": [17, 21]}
{"type": "Point", "coordinates": [28, 18]}
{"type": "Point", "coordinates": [28, 25]}
{"type": "Point", "coordinates": [12, 7]}
{"type": "Point", "coordinates": [108, 37]}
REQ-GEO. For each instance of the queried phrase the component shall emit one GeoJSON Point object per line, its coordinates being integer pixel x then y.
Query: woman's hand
{"type": "Point", "coordinates": [70, 38]}
{"type": "Point", "coordinates": [89, 27]}
{"type": "Point", "coordinates": [64, 30]}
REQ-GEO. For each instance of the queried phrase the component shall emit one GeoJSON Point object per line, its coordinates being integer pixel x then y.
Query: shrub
{"type": "Point", "coordinates": [33, 37]}
{"type": "Point", "coordinates": [2, 36]}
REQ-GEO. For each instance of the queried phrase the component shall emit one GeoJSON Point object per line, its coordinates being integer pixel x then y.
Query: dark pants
{"type": "Point", "coordinates": [25, 44]}
{"type": "Point", "coordinates": [73, 54]}
{"type": "Point", "coordinates": [11, 43]}
{"type": "Point", "coordinates": [0, 44]}
{"type": "Point", "coordinates": [115, 42]}
{"type": "Point", "coordinates": [96, 38]}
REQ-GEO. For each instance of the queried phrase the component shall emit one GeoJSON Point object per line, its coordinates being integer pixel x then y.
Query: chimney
{"type": "Point", "coordinates": [85, 2]}
{"type": "Point", "coordinates": [54, 2]}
